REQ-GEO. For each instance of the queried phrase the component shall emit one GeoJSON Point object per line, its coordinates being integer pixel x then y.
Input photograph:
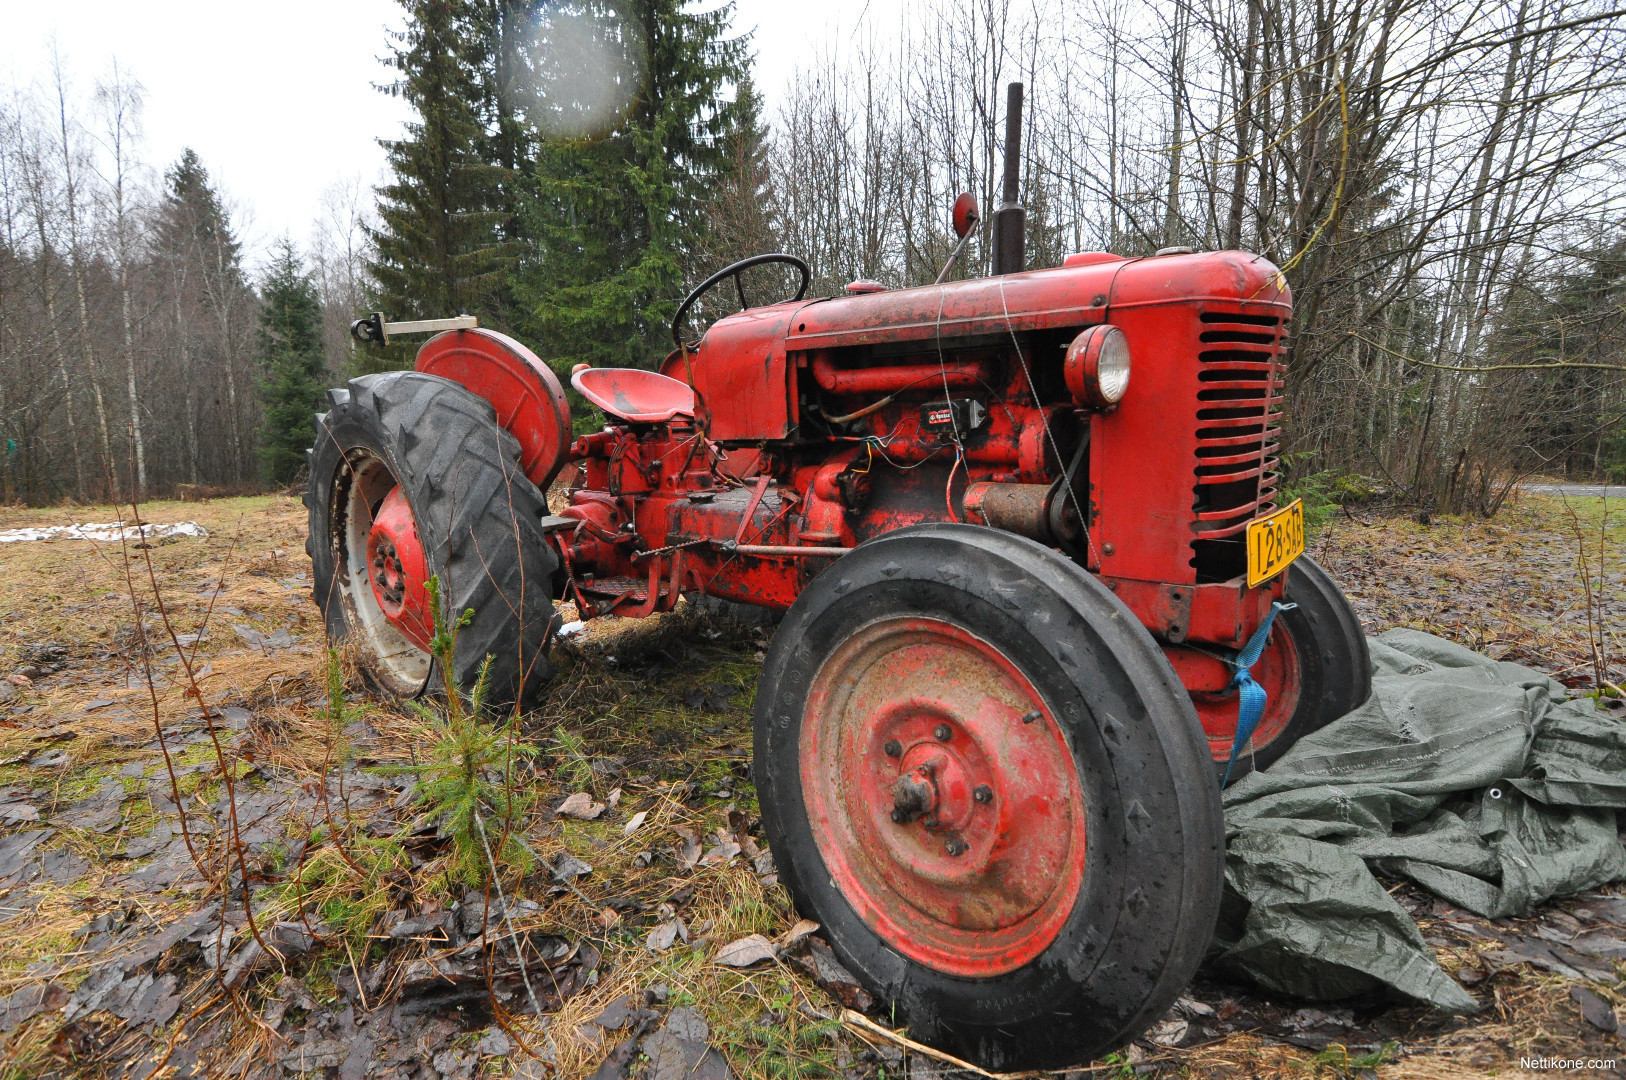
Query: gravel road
{"type": "Point", "coordinates": [1611, 491]}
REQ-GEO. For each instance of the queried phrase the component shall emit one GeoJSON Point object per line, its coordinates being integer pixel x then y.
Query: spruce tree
{"type": "Point", "coordinates": [208, 302]}
{"type": "Point", "coordinates": [192, 215]}
{"type": "Point", "coordinates": [619, 216]}
{"type": "Point", "coordinates": [294, 372]}
{"type": "Point", "coordinates": [439, 245]}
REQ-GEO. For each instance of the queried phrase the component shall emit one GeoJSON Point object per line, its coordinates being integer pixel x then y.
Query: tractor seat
{"type": "Point", "coordinates": [642, 397]}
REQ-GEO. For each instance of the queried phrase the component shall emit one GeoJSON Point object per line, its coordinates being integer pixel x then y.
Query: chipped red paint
{"type": "Point", "coordinates": [966, 882]}
{"type": "Point", "coordinates": [642, 397]}
{"type": "Point", "coordinates": [523, 390]}
{"type": "Point", "coordinates": [1206, 679]}
{"type": "Point", "coordinates": [398, 571]}
{"type": "Point", "coordinates": [812, 425]}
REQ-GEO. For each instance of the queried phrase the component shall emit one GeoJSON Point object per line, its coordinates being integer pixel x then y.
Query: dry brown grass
{"type": "Point", "coordinates": [1508, 586]}
{"type": "Point", "coordinates": [619, 716]}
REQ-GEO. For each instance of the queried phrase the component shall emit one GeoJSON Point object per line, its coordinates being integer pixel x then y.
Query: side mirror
{"type": "Point", "coordinates": [965, 214]}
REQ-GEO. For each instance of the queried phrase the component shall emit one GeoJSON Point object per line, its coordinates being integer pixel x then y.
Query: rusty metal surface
{"type": "Point", "coordinates": [524, 392]}
{"type": "Point", "coordinates": [398, 570]}
{"type": "Point", "coordinates": [1206, 678]}
{"type": "Point", "coordinates": [1023, 509]}
{"type": "Point", "coordinates": [943, 798]}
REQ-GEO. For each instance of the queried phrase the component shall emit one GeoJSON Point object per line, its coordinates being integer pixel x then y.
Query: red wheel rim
{"type": "Point", "coordinates": [987, 862]}
{"type": "Point", "coordinates": [398, 570]}
{"type": "Point", "coordinates": [1278, 672]}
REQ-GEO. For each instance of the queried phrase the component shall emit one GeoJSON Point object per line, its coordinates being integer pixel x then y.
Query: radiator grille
{"type": "Point", "coordinates": [1238, 411]}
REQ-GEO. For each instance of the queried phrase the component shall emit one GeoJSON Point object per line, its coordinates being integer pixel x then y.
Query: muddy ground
{"type": "Point", "coordinates": [121, 836]}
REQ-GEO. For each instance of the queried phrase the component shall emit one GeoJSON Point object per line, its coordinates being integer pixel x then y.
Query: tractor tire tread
{"type": "Point", "coordinates": [1154, 875]}
{"type": "Point", "coordinates": [478, 519]}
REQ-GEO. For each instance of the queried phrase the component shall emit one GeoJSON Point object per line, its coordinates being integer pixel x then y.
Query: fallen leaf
{"type": "Point", "coordinates": [795, 935]}
{"type": "Point", "coordinates": [616, 1013]}
{"type": "Point", "coordinates": [1598, 1012]}
{"type": "Point", "coordinates": [634, 822]}
{"type": "Point", "coordinates": [738, 826]}
{"type": "Point", "coordinates": [493, 1043]}
{"type": "Point", "coordinates": [569, 867]}
{"type": "Point", "coordinates": [580, 806]}
{"type": "Point", "coordinates": [746, 951]}
{"type": "Point", "coordinates": [19, 680]}
{"type": "Point", "coordinates": [1168, 1033]}
{"type": "Point", "coordinates": [689, 853]}
{"type": "Point", "coordinates": [608, 918]}
{"type": "Point", "coordinates": [29, 1002]}
{"type": "Point", "coordinates": [721, 853]}
{"type": "Point", "coordinates": [661, 938]}
{"type": "Point", "coordinates": [821, 963]}
{"type": "Point", "coordinates": [19, 812]}
{"type": "Point", "coordinates": [614, 798]}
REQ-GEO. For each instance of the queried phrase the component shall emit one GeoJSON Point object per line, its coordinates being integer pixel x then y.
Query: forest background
{"type": "Point", "coordinates": [1442, 183]}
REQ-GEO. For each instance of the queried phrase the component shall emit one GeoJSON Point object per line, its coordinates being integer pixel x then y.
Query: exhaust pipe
{"type": "Point", "coordinates": [1010, 220]}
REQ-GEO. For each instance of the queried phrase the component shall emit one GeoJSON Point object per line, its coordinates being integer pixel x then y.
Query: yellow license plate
{"type": "Point", "coordinates": [1274, 542]}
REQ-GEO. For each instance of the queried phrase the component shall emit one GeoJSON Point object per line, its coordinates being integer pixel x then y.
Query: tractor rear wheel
{"type": "Point", "coordinates": [980, 775]}
{"type": "Point", "coordinates": [1315, 668]}
{"type": "Point", "coordinates": [411, 476]}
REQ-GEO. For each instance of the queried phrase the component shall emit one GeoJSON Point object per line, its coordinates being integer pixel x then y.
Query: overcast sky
{"type": "Point", "coordinates": [278, 99]}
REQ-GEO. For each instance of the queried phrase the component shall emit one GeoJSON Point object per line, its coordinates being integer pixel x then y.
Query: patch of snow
{"type": "Point", "coordinates": [105, 530]}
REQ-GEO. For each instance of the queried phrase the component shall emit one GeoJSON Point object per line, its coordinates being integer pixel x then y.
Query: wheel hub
{"type": "Point", "coordinates": [943, 798]}
{"type": "Point", "coordinates": [1216, 703]}
{"type": "Point", "coordinates": [398, 570]}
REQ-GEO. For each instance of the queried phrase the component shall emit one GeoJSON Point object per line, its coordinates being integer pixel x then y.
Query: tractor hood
{"type": "Point", "coordinates": [747, 359]}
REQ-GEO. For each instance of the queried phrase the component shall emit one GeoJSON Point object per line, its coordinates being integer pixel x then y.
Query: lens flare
{"type": "Point", "coordinates": [586, 69]}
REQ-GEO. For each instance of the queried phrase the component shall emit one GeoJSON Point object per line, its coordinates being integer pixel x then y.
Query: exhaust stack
{"type": "Point", "coordinates": [1010, 220]}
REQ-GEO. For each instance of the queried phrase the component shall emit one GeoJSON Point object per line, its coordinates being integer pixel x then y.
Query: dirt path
{"type": "Point", "coordinates": [115, 949]}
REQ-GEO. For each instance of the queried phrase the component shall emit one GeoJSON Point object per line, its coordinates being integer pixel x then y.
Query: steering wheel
{"type": "Point", "coordinates": [734, 270]}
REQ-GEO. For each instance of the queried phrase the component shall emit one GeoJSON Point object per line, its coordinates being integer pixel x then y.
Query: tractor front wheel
{"type": "Point", "coordinates": [411, 476]}
{"type": "Point", "coordinates": [979, 774]}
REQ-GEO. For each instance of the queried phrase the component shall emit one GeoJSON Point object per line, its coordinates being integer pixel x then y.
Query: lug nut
{"type": "Point", "coordinates": [983, 794]}
{"type": "Point", "coordinates": [955, 846]}
{"type": "Point", "coordinates": [942, 731]}
{"type": "Point", "coordinates": [893, 748]}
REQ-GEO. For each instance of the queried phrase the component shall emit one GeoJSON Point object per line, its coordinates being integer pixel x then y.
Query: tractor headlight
{"type": "Point", "coordinates": [1097, 367]}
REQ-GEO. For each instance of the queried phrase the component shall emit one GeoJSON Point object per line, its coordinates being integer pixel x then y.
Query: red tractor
{"type": "Point", "coordinates": [1025, 534]}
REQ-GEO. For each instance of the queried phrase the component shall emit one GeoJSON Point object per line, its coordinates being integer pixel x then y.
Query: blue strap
{"type": "Point", "coordinates": [1251, 697]}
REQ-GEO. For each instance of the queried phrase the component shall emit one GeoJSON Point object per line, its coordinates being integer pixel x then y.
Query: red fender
{"type": "Point", "coordinates": [527, 395]}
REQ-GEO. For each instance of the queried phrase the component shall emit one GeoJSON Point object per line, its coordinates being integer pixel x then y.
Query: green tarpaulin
{"type": "Point", "coordinates": [1473, 778]}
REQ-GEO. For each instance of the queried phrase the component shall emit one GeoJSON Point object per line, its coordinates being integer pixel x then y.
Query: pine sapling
{"type": "Point", "coordinates": [467, 776]}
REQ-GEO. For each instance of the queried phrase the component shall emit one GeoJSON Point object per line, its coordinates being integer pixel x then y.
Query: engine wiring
{"type": "Point", "coordinates": [1067, 480]}
{"type": "Point", "coordinates": [954, 421]}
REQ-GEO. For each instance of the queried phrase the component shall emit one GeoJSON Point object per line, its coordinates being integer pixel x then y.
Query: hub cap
{"type": "Point", "coordinates": [942, 796]}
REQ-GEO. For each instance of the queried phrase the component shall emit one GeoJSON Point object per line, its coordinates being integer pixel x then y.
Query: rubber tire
{"type": "Point", "coordinates": [478, 518]}
{"type": "Point", "coordinates": [1155, 832]}
{"type": "Point", "coordinates": [1335, 667]}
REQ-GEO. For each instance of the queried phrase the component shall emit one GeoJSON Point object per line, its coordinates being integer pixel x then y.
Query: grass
{"type": "Point", "coordinates": [1508, 586]}
{"type": "Point", "coordinates": [617, 716]}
